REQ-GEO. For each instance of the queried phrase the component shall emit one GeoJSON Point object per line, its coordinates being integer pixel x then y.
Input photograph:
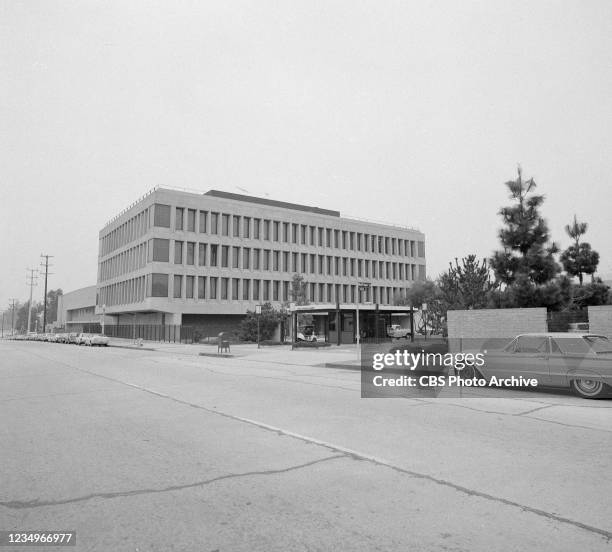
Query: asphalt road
{"type": "Point", "coordinates": [139, 450]}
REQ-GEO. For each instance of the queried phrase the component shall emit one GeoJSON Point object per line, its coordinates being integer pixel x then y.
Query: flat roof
{"type": "Point", "coordinates": [272, 203]}
{"type": "Point", "coordinates": [350, 306]}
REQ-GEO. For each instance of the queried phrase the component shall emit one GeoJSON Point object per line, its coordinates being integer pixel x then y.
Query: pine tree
{"type": "Point", "coordinates": [579, 258]}
{"type": "Point", "coordinates": [526, 265]}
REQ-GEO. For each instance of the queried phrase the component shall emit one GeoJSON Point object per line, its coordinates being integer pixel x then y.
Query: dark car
{"type": "Point", "coordinates": [582, 362]}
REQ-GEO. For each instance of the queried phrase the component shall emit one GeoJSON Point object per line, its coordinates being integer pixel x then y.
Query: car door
{"type": "Point", "coordinates": [527, 356]}
{"type": "Point", "coordinates": [557, 365]}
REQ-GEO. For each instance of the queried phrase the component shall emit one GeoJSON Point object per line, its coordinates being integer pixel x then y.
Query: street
{"type": "Point", "coordinates": [142, 450]}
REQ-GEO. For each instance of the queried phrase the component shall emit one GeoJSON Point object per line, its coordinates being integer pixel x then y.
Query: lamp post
{"type": "Point", "coordinates": [361, 286]}
{"type": "Point", "coordinates": [424, 308]}
{"type": "Point", "coordinates": [258, 313]}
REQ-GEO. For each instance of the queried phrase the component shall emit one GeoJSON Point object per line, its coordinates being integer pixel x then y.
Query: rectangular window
{"type": "Point", "coordinates": [235, 282]}
{"type": "Point", "coordinates": [178, 222]}
{"type": "Point", "coordinates": [189, 287]}
{"type": "Point", "coordinates": [236, 226]}
{"type": "Point", "coordinates": [256, 229]}
{"type": "Point", "coordinates": [224, 288]}
{"type": "Point", "coordinates": [313, 235]}
{"type": "Point", "coordinates": [276, 290]}
{"type": "Point", "coordinates": [266, 229]}
{"type": "Point", "coordinates": [255, 290]}
{"type": "Point", "coordinates": [294, 262]}
{"type": "Point", "coordinates": [178, 252]}
{"type": "Point", "coordinates": [286, 261]}
{"type": "Point", "coordinates": [225, 225]}
{"type": "Point", "coordinates": [178, 286]}
{"type": "Point", "coordinates": [286, 291]}
{"type": "Point", "coordinates": [303, 230]}
{"type": "Point", "coordinates": [213, 287]}
{"type": "Point", "coordinates": [276, 230]}
{"type": "Point", "coordinates": [266, 262]}
{"type": "Point", "coordinates": [214, 254]}
{"type": "Point", "coordinates": [312, 263]}
{"type": "Point", "coordinates": [246, 258]}
{"type": "Point", "coordinates": [320, 237]}
{"type": "Point", "coordinates": [421, 249]}
{"type": "Point", "coordinates": [159, 285]}
{"type": "Point", "coordinates": [235, 257]}
{"type": "Point", "coordinates": [161, 216]}
{"type": "Point", "coordinates": [286, 232]}
{"type": "Point", "coordinates": [266, 290]}
{"type": "Point", "coordinates": [191, 216]}
{"type": "Point", "coordinates": [224, 257]}
{"type": "Point", "coordinates": [161, 250]}
{"type": "Point", "coordinates": [214, 223]}
{"type": "Point", "coordinates": [276, 260]}
{"type": "Point", "coordinates": [246, 227]}
{"type": "Point", "coordinates": [256, 259]}
{"type": "Point", "coordinates": [294, 233]}
{"type": "Point", "coordinates": [203, 221]}
{"type": "Point", "coordinates": [245, 289]}
{"type": "Point", "coordinates": [304, 262]}
{"type": "Point", "coordinates": [328, 237]}
{"type": "Point", "coordinates": [202, 254]}
{"type": "Point", "coordinates": [190, 253]}
{"type": "Point", "coordinates": [201, 287]}
{"type": "Point", "coordinates": [337, 239]}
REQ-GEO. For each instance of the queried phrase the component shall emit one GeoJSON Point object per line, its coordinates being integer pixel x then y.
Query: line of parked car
{"type": "Point", "coordinates": [73, 338]}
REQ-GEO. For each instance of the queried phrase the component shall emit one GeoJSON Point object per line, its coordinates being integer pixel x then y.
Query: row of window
{"type": "Point", "coordinates": [130, 230]}
{"type": "Point", "coordinates": [246, 289]}
{"type": "Point", "coordinates": [126, 261]}
{"type": "Point", "coordinates": [123, 293]}
{"type": "Point", "coordinates": [246, 258]}
{"type": "Point", "coordinates": [237, 226]}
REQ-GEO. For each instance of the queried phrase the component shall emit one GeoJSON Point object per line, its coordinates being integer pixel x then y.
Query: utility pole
{"type": "Point", "coordinates": [13, 301]}
{"type": "Point", "coordinates": [31, 283]}
{"type": "Point", "coordinates": [46, 266]}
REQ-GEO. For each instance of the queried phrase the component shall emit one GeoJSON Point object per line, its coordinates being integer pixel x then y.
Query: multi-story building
{"type": "Point", "coordinates": [177, 257]}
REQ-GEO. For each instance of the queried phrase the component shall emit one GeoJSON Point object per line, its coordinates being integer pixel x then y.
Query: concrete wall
{"type": "Point", "coordinates": [600, 320]}
{"type": "Point", "coordinates": [470, 329]}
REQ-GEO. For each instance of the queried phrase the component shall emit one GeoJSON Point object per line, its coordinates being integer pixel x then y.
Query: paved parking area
{"type": "Point", "coordinates": [164, 450]}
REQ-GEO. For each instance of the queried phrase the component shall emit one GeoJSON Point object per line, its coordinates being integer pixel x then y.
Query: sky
{"type": "Point", "coordinates": [411, 113]}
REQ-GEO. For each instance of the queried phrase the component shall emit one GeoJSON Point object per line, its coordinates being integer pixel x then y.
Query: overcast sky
{"type": "Point", "coordinates": [405, 112]}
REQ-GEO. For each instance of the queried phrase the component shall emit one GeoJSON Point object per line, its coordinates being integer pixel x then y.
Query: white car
{"type": "Point", "coordinates": [92, 339]}
{"type": "Point", "coordinates": [396, 331]}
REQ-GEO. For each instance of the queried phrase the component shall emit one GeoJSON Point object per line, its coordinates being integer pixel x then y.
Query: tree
{"type": "Point", "coordinates": [297, 292]}
{"type": "Point", "coordinates": [466, 285]}
{"type": "Point", "coordinates": [525, 269]}
{"type": "Point", "coordinates": [52, 301]}
{"type": "Point", "coordinates": [593, 294]}
{"type": "Point", "coordinates": [269, 319]}
{"type": "Point", "coordinates": [579, 258]}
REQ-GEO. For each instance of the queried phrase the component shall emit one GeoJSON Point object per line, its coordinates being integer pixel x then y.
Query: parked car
{"type": "Point", "coordinates": [98, 340]}
{"type": "Point", "coordinates": [582, 362]}
{"type": "Point", "coordinates": [72, 338]}
{"type": "Point", "coordinates": [397, 332]}
{"type": "Point", "coordinates": [92, 340]}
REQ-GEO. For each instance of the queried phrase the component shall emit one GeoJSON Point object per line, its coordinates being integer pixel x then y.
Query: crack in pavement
{"type": "Point", "coordinates": [346, 452]}
{"type": "Point", "coordinates": [36, 503]}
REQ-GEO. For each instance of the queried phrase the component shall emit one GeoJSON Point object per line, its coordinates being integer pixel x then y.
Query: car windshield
{"type": "Point", "coordinates": [600, 344]}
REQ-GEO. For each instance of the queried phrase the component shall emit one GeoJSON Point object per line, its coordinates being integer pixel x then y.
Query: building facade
{"type": "Point", "coordinates": [177, 257]}
{"type": "Point", "coordinates": [76, 311]}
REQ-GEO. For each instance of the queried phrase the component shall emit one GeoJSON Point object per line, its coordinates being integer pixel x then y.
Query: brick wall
{"type": "Point", "coordinates": [471, 329]}
{"type": "Point", "coordinates": [600, 320]}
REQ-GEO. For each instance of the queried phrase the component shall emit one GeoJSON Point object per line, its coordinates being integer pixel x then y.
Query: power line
{"type": "Point", "coordinates": [46, 267]}
{"type": "Point", "coordinates": [31, 281]}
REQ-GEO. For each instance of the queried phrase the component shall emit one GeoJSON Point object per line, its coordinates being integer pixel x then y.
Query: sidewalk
{"type": "Point", "coordinates": [344, 356]}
